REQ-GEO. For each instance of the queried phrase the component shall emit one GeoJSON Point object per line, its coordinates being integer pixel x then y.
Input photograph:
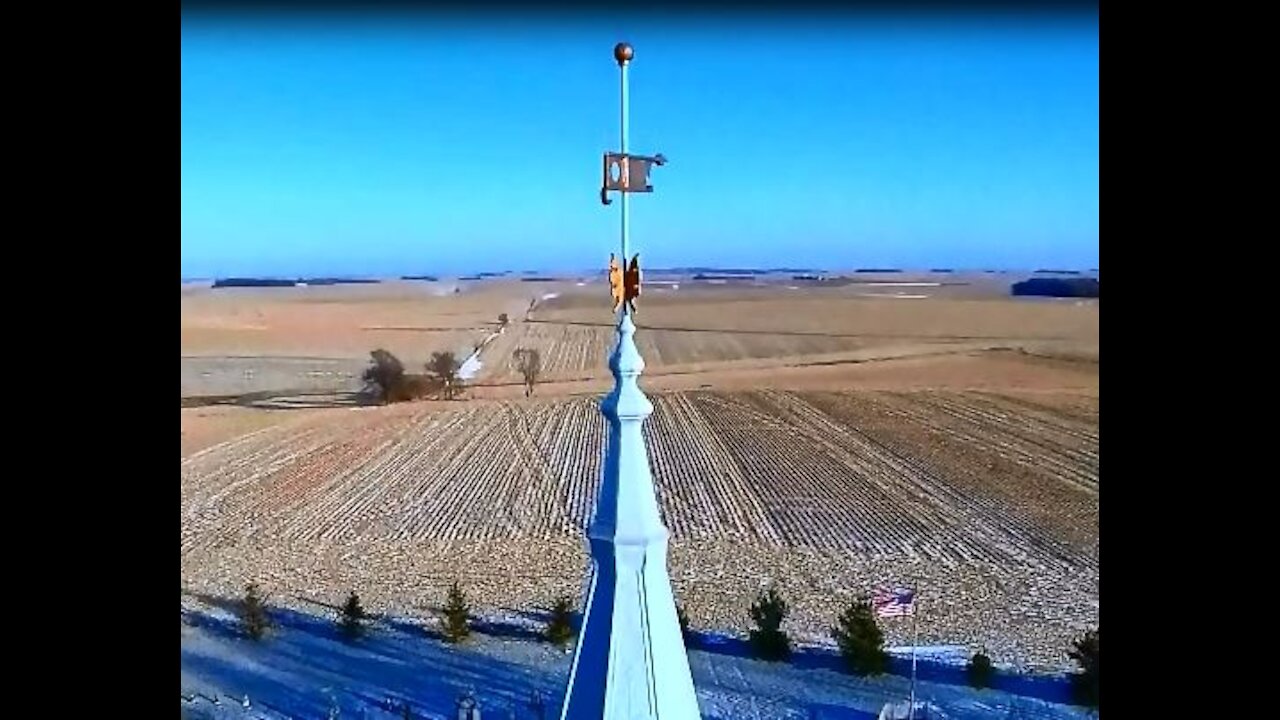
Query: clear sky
{"type": "Point", "coordinates": [408, 145]}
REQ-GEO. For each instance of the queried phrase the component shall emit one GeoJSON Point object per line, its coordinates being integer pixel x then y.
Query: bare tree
{"type": "Point", "coordinates": [443, 372]}
{"type": "Point", "coordinates": [529, 364]}
{"type": "Point", "coordinates": [384, 376]}
{"type": "Point", "coordinates": [502, 319]}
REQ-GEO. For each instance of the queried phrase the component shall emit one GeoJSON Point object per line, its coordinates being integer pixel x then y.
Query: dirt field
{"type": "Point", "coordinates": [826, 442]}
{"type": "Point", "coordinates": [319, 339]}
{"type": "Point", "coordinates": [967, 488]}
{"type": "Point", "coordinates": [243, 340]}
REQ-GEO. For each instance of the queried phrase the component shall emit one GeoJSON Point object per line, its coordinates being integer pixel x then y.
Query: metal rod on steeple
{"type": "Point", "coordinates": [623, 54]}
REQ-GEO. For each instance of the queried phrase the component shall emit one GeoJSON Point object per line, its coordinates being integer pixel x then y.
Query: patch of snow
{"type": "Point", "coordinates": [470, 366]}
{"type": "Point", "coordinates": [948, 654]}
{"type": "Point", "coordinates": [551, 296]}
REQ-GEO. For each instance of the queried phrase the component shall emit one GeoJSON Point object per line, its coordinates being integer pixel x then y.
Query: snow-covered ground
{"type": "Point", "coordinates": [305, 669]}
{"type": "Point", "coordinates": [948, 654]}
{"type": "Point", "coordinates": [470, 366]}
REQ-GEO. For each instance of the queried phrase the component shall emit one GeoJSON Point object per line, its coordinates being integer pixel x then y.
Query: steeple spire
{"type": "Point", "coordinates": [630, 662]}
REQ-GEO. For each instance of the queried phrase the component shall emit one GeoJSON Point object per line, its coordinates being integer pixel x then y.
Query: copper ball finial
{"type": "Point", "coordinates": [623, 52]}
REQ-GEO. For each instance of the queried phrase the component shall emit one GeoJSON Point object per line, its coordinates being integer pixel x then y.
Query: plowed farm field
{"type": "Point", "coordinates": [579, 351]}
{"type": "Point", "coordinates": [990, 499]}
{"type": "Point", "coordinates": [706, 331]}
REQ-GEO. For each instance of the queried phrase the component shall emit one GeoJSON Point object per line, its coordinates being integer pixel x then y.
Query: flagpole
{"type": "Point", "coordinates": [915, 610]}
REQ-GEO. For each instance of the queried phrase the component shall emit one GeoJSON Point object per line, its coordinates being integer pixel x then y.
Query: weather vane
{"type": "Point", "coordinates": [625, 173]}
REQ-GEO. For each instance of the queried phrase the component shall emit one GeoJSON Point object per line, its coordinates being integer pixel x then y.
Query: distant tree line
{"type": "Point", "coordinates": [1057, 287]}
{"type": "Point", "coordinates": [387, 382]}
{"type": "Point", "coordinates": [279, 282]}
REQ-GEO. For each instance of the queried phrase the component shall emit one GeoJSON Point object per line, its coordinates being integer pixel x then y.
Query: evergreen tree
{"type": "Point", "coordinates": [1085, 683]}
{"type": "Point", "coordinates": [559, 629]}
{"type": "Point", "coordinates": [860, 639]}
{"type": "Point", "coordinates": [253, 614]}
{"type": "Point", "coordinates": [980, 671]}
{"type": "Point", "coordinates": [769, 641]}
{"type": "Point", "coordinates": [456, 616]}
{"type": "Point", "coordinates": [353, 617]}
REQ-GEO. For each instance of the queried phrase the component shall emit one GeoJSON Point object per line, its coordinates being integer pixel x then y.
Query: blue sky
{"type": "Point", "coordinates": [446, 145]}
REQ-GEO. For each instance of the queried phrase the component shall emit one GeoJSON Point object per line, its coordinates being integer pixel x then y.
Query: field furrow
{"type": "Point", "coordinates": [994, 441]}
{"type": "Point", "coordinates": [1076, 449]}
{"type": "Point", "coordinates": [1046, 511]}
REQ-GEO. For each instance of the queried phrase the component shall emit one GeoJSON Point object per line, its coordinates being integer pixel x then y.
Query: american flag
{"type": "Point", "coordinates": [894, 603]}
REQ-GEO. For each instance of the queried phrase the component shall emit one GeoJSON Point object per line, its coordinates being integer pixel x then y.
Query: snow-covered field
{"type": "Point", "coordinates": [305, 669]}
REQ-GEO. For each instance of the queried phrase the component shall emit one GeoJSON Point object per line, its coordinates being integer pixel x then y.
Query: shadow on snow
{"type": "Point", "coordinates": [307, 665]}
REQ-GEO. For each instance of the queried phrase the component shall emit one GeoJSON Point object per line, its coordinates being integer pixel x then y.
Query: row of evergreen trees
{"type": "Point", "coordinates": [353, 619]}
{"type": "Point", "coordinates": [857, 634]}
{"type": "Point", "coordinates": [861, 643]}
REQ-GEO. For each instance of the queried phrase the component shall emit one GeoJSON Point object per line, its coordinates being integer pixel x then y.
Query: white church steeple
{"type": "Point", "coordinates": [630, 663]}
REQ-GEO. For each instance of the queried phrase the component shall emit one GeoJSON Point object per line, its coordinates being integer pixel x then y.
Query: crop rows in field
{"type": "Point", "coordinates": [572, 351]}
{"type": "Point", "coordinates": [567, 351]}
{"type": "Point", "coordinates": [1067, 453]}
{"type": "Point", "coordinates": [828, 494]}
{"type": "Point", "coordinates": [780, 311]}
{"type": "Point", "coordinates": [681, 347]}
{"type": "Point", "coordinates": [997, 449]}
{"type": "Point", "coordinates": [773, 467]}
